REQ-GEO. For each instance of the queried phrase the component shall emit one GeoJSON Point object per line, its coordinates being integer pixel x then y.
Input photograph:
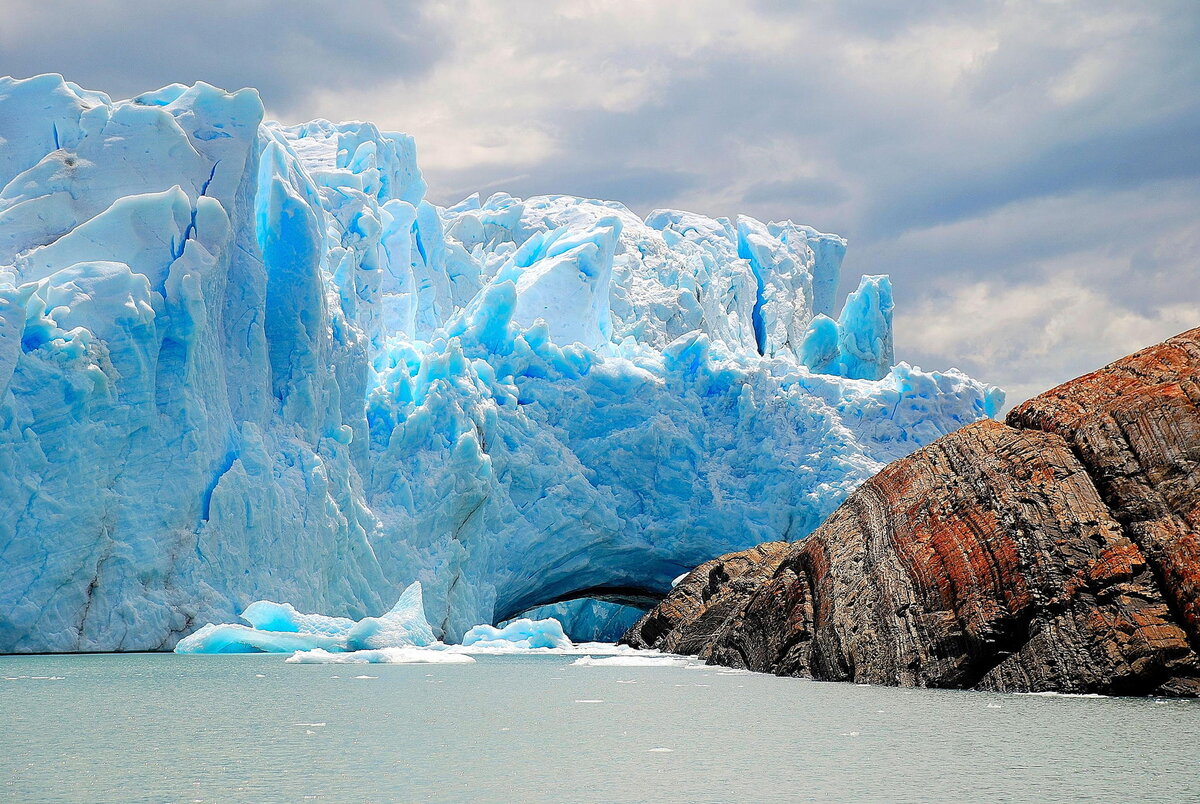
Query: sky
{"type": "Point", "coordinates": [1028, 172]}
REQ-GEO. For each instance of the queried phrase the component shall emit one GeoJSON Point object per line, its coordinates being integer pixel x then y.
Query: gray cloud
{"type": "Point", "coordinates": [284, 49]}
{"type": "Point", "coordinates": [803, 190]}
{"type": "Point", "coordinates": [977, 152]}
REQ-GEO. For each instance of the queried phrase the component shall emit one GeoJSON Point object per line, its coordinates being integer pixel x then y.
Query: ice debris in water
{"type": "Point", "coordinates": [233, 638]}
{"type": "Point", "coordinates": [405, 624]}
{"type": "Point", "coordinates": [401, 636]}
{"type": "Point", "coordinates": [380, 656]}
{"type": "Point", "coordinates": [279, 628]}
{"type": "Point", "coordinates": [589, 620]}
{"type": "Point", "coordinates": [244, 360]}
{"type": "Point", "coordinates": [523, 633]}
{"type": "Point", "coordinates": [631, 661]}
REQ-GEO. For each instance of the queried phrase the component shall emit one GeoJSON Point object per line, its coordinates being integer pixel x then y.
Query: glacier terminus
{"type": "Point", "coordinates": [245, 361]}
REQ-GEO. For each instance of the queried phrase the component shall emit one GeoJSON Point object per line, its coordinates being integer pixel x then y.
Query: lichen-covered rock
{"type": "Point", "coordinates": [1058, 552]}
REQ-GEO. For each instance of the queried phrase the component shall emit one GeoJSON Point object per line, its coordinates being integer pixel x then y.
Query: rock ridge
{"type": "Point", "coordinates": [1055, 552]}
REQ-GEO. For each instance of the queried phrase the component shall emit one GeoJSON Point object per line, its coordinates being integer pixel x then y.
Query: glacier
{"type": "Point", "coordinates": [242, 360]}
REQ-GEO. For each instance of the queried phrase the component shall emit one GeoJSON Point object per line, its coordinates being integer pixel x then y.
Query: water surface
{"type": "Point", "coordinates": [161, 727]}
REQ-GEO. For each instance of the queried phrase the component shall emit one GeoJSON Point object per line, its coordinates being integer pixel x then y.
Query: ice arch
{"type": "Point", "coordinates": [634, 596]}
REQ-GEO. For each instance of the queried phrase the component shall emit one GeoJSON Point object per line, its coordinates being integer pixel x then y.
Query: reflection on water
{"type": "Point", "coordinates": [160, 727]}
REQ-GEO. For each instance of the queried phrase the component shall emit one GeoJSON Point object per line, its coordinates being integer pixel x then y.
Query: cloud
{"type": "Point", "coordinates": [976, 151]}
{"type": "Point", "coordinates": [287, 49]}
{"type": "Point", "coordinates": [802, 190]}
{"type": "Point", "coordinates": [1024, 333]}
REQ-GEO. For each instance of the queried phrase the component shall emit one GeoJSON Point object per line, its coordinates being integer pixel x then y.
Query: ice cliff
{"type": "Point", "coordinates": [242, 360]}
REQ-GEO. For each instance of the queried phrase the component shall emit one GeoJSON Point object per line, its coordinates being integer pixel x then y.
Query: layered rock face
{"type": "Point", "coordinates": [1056, 552]}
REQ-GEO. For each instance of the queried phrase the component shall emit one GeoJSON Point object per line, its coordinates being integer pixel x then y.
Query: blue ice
{"type": "Point", "coordinates": [241, 360]}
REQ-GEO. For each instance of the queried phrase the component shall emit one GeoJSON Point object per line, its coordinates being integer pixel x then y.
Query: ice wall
{"type": "Point", "coordinates": [240, 360]}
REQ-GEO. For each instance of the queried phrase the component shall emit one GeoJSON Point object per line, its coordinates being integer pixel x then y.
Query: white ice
{"type": "Point", "coordinates": [631, 661]}
{"type": "Point", "coordinates": [381, 656]}
{"type": "Point", "coordinates": [523, 634]}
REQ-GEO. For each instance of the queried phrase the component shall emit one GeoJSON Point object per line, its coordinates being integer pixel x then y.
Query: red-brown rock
{"type": "Point", "coordinates": [1135, 425]}
{"type": "Point", "coordinates": [1058, 552]}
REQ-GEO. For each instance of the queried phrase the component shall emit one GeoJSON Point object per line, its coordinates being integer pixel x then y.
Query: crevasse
{"type": "Point", "coordinates": [242, 361]}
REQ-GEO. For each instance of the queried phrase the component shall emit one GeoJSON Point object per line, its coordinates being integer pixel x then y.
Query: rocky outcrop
{"type": "Point", "coordinates": [1135, 425]}
{"type": "Point", "coordinates": [700, 606]}
{"type": "Point", "coordinates": [1056, 552]}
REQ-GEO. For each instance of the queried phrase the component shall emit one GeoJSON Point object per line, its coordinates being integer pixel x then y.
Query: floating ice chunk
{"type": "Point", "coordinates": [409, 655]}
{"type": "Point", "coordinates": [405, 624]}
{"type": "Point", "coordinates": [266, 615]}
{"type": "Point", "coordinates": [587, 619]}
{"type": "Point", "coordinates": [279, 628]}
{"type": "Point", "coordinates": [232, 638]}
{"type": "Point", "coordinates": [1062, 694]}
{"type": "Point", "coordinates": [631, 661]}
{"type": "Point", "coordinates": [523, 633]}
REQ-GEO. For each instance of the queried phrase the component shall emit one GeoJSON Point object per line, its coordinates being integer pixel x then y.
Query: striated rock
{"type": "Point", "coordinates": [1057, 552]}
{"type": "Point", "coordinates": [699, 607]}
{"type": "Point", "coordinates": [1135, 425]}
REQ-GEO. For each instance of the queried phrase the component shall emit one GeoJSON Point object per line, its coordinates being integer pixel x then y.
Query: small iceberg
{"type": "Point", "coordinates": [401, 636]}
{"type": "Point", "coordinates": [279, 628]}
{"type": "Point", "coordinates": [410, 655]}
{"type": "Point", "coordinates": [520, 634]}
{"type": "Point", "coordinates": [233, 638]}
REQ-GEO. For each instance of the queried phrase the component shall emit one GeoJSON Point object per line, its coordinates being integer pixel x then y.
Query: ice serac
{"type": "Point", "coordinates": [865, 347]}
{"type": "Point", "coordinates": [1054, 553]}
{"type": "Point", "coordinates": [241, 360]}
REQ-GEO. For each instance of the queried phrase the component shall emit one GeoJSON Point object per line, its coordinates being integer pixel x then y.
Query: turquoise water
{"type": "Point", "coordinates": [160, 727]}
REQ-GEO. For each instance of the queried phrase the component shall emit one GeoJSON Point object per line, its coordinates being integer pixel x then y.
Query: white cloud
{"type": "Point", "coordinates": [1054, 328]}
